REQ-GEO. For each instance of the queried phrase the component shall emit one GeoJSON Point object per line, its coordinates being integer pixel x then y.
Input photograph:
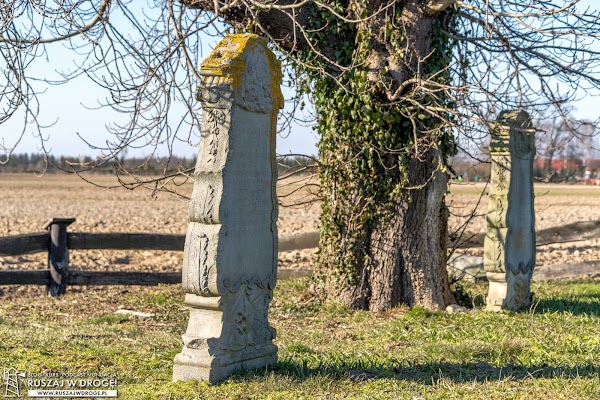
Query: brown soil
{"type": "Point", "coordinates": [555, 205]}
{"type": "Point", "coordinates": [28, 202]}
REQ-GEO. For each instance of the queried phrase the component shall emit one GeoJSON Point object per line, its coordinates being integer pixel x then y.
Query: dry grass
{"type": "Point", "coordinates": [326, 351]}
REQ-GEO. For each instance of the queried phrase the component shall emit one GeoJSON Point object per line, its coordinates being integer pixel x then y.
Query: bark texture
{"type": "Point", "coordinates": [401, 258]}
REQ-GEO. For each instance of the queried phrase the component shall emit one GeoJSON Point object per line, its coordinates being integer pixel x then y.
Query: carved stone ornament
{"type": "Point", "coordinates": [215, 122]}
{"type": "Point", "coordinates": [230, 255]}
{"type": "Point", "coordinates": [246, 300]}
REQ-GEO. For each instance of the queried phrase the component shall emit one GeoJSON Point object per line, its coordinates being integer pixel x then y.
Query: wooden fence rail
{"type": "Point", "coordinates": [40, 242]}
{"type": "Point", "coordinates": [78, 277]}
{"type": "Point", "coordinates": [42, 277]}
{"type": "Point", "coordinates": [24, 244]}
{"type": "Point", "coordinates": [574, 232]}
{"type": "Point", "coordinates": [57, 277]}
{"type": "Point", "coordinates": [125, 241]}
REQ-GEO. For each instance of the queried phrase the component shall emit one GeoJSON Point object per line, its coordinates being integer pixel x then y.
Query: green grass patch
{"type": "Point", "coordinates": [325, 351]}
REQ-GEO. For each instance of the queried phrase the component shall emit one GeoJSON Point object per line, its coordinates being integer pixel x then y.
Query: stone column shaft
{"type": "Point", "coordinates": [509, 247]}
{"type": "Point", "coordinates": [230, 257]}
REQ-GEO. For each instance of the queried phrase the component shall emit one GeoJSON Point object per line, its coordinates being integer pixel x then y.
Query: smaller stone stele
{"type": "Point", "coordinates": [509, 247]}
{"type": "Point", "coordinates": [230, 256]}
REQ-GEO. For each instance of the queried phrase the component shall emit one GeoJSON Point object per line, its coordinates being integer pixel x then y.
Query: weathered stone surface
{"type": "Point", "coordinates": [230, 258]}
{"type": "Point", "coordinates": [465, 267]}
{"type": "Point", "coordinates": [509, 247]}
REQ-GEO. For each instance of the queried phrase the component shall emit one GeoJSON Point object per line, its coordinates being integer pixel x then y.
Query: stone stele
{"type": "Point", "coordinates": [230, 257]}
{"type": "Point", "coordinates": [509, 247]}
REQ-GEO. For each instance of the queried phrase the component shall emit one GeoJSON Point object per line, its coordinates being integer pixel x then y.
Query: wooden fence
{"type": "Point", "coordinates": [57, 242]}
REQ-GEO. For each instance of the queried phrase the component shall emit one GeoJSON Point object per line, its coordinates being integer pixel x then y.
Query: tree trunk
{"type": "Point", "coordinates": [408, 252]}
{"type": "Point", "coordinates": [384, 221]}
{"type": "Point", "coordinates": [401, 257]}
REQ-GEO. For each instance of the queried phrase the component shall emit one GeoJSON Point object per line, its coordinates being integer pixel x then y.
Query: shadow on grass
{"type": "Point", "coordinates": [429, 373]}
{"type": "Point", "coordinates": [591, 306]}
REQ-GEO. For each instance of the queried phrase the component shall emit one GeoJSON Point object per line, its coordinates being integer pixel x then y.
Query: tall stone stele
{"type": "Point", "coordinates": [509, 248]}
{"type": "Point", "coordinates": [230, 258]}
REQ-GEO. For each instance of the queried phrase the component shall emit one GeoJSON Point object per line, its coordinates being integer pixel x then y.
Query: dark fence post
{"type": "Point", "coordinates": [58, 255]}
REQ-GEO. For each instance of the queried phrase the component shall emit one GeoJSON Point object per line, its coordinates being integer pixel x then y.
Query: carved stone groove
{"type": "Point", "coordinates": [509, 246]}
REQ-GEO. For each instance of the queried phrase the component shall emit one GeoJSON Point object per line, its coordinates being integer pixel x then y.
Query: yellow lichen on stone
{"type": "Point", "coordinates": [513, 119]}
{"type": "Point", "coordinates": [227, 60]}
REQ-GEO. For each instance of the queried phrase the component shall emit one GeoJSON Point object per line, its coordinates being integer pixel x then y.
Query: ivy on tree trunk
{"type": "Point", "coordinates": [383, 162]}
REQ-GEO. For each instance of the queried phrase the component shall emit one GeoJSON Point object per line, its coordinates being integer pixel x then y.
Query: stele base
{"type": "Point", "coordinates": [497, 291]}
{"type": "Point", "coordinates": [199, 365]}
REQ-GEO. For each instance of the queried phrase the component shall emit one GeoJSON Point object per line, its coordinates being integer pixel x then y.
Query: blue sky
{"type": "Point", "coordinates": [67, 109]}
{"type": "Point", "coordinates": [72, 108]}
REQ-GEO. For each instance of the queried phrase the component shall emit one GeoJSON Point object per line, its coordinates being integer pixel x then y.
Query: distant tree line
{"type": "Point", "coordinates": [39, 162]}
{"type": "Point", "coordinates": [557, 169]}
{"type": "Point", "coordinates": [572, 169]}
{"type": "Point", "coordinates": [566, 151]}
{"type": "Point", "coordinates": [32, 162]}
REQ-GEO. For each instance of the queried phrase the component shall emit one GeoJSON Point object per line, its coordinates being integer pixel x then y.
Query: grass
{"type": "Point", "coordinates": [326, 351]}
